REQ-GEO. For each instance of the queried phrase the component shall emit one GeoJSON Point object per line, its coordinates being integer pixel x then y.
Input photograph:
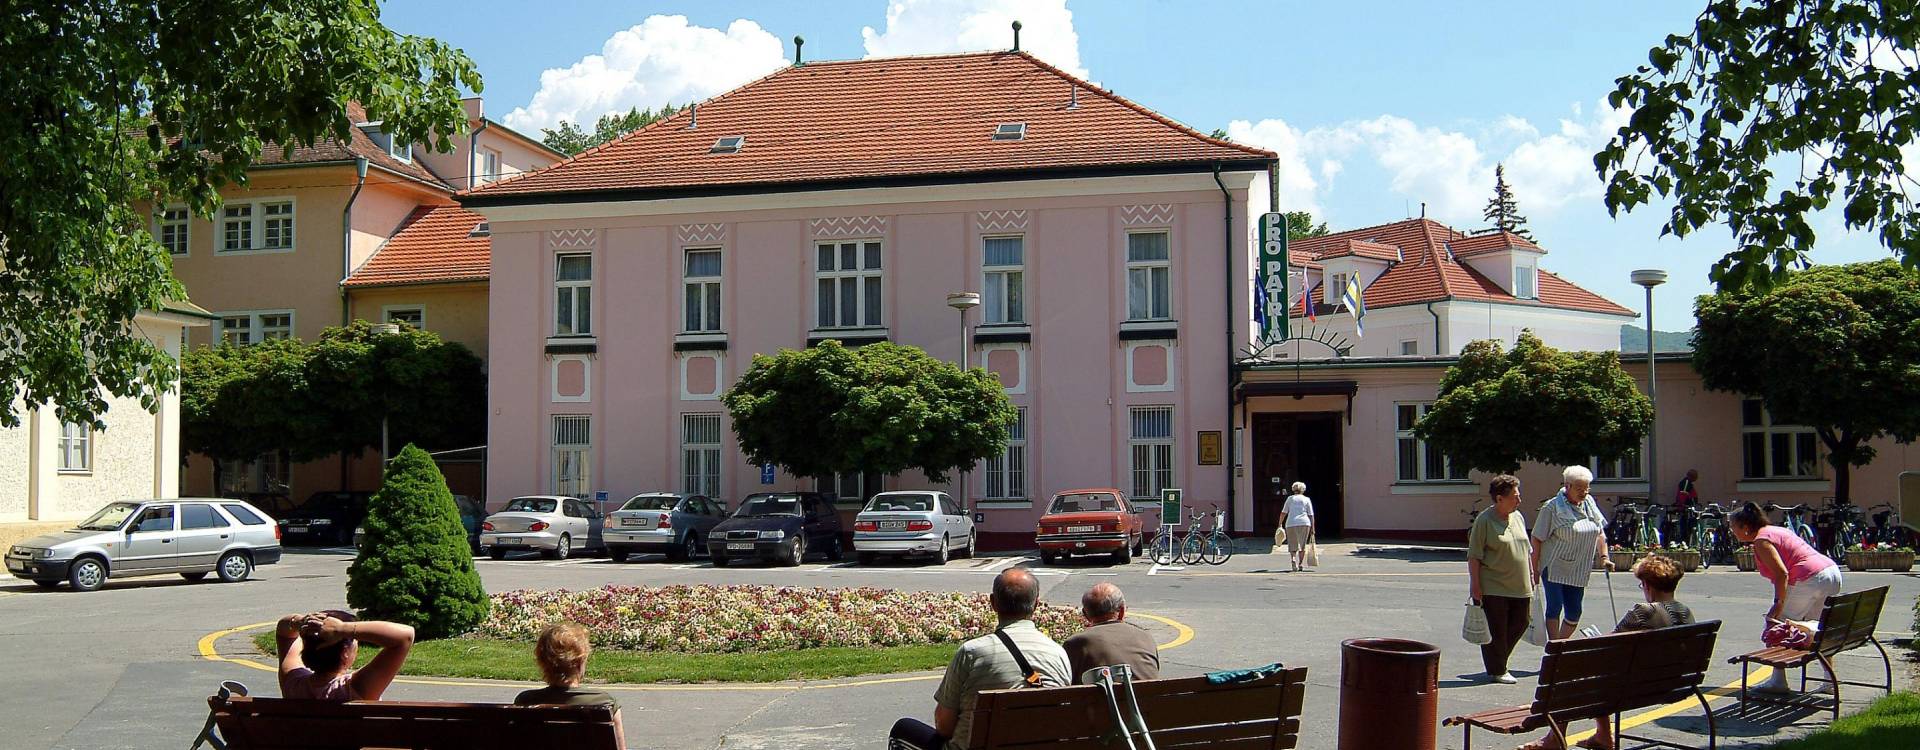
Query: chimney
{"type": "Point", "coordinates": [693, 116]}
{"type": "Point", "coordinates": [1016, 36]}
{"type": "Point", "coordinates": [1423, 209]}
{"type": "Point", "coordinates": [798, 42]}
{"type": "Point", "coordinates": [1073, 97]}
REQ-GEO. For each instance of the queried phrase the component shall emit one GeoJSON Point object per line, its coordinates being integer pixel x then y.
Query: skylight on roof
{"type": "Point", "coordinates": [481, 230]}
{"type": "Point", "coordinates": [728, 145]}
{"type": "Point", "coordinates": [1010, 131]}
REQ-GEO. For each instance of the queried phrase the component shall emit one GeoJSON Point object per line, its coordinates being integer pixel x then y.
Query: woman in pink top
{"type": "Point", "coordinates": [1802, 577]}
{"type": "Point", "coordinates": [317, 652]}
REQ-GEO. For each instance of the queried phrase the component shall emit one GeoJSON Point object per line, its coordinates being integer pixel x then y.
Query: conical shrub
{"type": "Point", "coordinates": [415, 566]}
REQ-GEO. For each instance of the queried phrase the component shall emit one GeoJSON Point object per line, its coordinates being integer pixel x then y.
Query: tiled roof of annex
{"type": "Point", "coordinates": [329, 150]}
{"type": "Point", "coordinates": [435, 245]}
{"type": "Point", "coordinates": [1429, 269]}
{"type": "Point", "coordinates": [883, 121]}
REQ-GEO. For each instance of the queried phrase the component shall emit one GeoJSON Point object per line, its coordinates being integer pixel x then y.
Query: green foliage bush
{"type": "Point", "coordinates": [414, 565]}
{"type": "Point", "coordinates": [1535, 403]}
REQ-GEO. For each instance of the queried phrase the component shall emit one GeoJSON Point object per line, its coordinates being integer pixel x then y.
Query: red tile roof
{"type": "Point", "coordinates": [1478, 244]}
{"type": "Point", "coordinates": [883, 120]}
{"type": "Point", "coordinates": [1430, 271]}
{"type": "Point", "coordinates": [359, 144]}
{"type": "Point", "coordinates": [435, 245]}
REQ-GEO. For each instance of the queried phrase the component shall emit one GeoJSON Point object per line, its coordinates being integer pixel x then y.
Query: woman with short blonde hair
{"type": "Point", "coordinates": [1297, 524]}
{"type": "Point", "coordinates": [562, 653]}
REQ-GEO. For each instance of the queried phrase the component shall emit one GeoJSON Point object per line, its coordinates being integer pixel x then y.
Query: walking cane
{"type": "Point", "coordinates": [1610, 600]}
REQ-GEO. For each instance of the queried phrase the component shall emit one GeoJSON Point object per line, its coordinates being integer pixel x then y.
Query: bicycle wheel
{"type": "Point", "coordinates": [1160, 550]}
{"type": "Point", "coordinates": [1702, 542]}
{"type": "Point", "coordinates": [1223, 549]}
{"type": "Point", "coordinates": [1806, 534]}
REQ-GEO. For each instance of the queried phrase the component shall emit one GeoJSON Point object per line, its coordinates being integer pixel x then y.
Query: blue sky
{"type": "Point", "coordinates": [1375, 108]}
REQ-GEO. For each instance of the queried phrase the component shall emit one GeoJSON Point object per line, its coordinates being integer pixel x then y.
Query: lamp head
{"type": "Point", "coordinates": [963, 301]}
{"type": "Point", "coordinates": [1649, 277]}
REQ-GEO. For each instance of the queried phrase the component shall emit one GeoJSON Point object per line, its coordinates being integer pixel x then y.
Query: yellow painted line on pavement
{"type": "Point", "coordinates": [1182, 635]}
{"type": "Point", "coordinates": [1729, 690]}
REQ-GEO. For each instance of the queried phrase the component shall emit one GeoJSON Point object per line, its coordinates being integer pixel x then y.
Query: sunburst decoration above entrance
{"type": "Point", "coordinates": [1334, 341]}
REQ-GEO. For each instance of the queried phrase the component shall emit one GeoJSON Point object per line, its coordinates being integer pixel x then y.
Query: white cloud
{"type": "Point", "coordinates": [661, 60]}
{"type": "Point", "coordinates": [1298, 188]}
{"type": "Point", "coordinates": [922, 27]}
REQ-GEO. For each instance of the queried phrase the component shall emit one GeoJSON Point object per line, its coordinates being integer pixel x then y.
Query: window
{"type": "Point", "coordinates": [702, 292]}
{"type": "Point", "coordinates": [851, 487]}
{"type": "Point", "coordinates": [241, 329]}
{"type": "Point", "coordinates": [76, 447]}
{"type": "Point", "coordinates": [413, 315]}
{"type": "Point", "coordinates": [1010, 131]}
{"type": "Point", "coordinates": [1150, 443]}
{"type": "Point", "coordinates": [571, 443]}
{"type": "Point", "coordinates": [1420, 462]}
{"type": "Point", "coordinates": [155, 518]}
{"type": "Point", "coordinates": [728, 145]}
{"type": "Point", "coordinates": [1624, 467]}
{"type": "Point", "coordinates": [1007, 473]}
{"type": "Point", "coordinates": [1149, 277]}
{"type": "Point", "coordinates": [200, 516]}
{"type": "Point", "coordinates": [573, 294]}
{"type": "Point", "coordinates": [265, 473]}
{"type": "Point", "coordinates": [401, 151]}
{"type": "Point", "coordinates": [1526, 282]}
{"type": "Point", "coordinates": [1409, 348]}
{"type": "Point", "coordinates": [1005, 297]}
{"type": "Point", "coordinates": [1775, 451]}
{"type": "Point", "coordinates": [172, 231]}
{"type": "Point", "coordinates": [1333, 288]}
{"type": "Point", "coordinates": [489, 167]}
{"type": "Point", "coordinates": [263, 225]}
{"type": "Point", "coordinates": [700, 454]}
{"type": "Point", "coordinates": [849, 284]}
{"type": "Point", "coordinates": [244, 516]}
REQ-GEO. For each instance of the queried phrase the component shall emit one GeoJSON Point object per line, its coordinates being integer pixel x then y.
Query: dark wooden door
{"type": "Point", "coordinates": [1275, 464]}
{"type": "Point", "coordinates": [1319, 465]}
{"type": "Point", "coordinates": [1297, 447]}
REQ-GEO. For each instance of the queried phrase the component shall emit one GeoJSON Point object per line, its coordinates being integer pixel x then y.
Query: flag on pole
{"type": "Point", "coordinates": [1260, 307]}
{"type": "Point", "coordinates": [1309, 293]}
{"type": "Point", "coordinates": [1351, 297]}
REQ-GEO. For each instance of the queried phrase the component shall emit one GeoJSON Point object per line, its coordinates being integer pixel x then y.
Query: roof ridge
{"type": "Point", "coordinates": [1128, 103]}
{"type": "Point", "coordinates": [1434, 253]}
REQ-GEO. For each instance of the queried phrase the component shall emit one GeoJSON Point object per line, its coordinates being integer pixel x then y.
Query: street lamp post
{"type": "Point", "coordinates": [963, 301]}
{"type": "Point", "coordinates": [384, 329]}
{"type": "Point", "coordinates": [1650, 278]}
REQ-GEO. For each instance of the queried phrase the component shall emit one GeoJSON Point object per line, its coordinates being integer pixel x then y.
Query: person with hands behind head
{"type": "Point", "coordinates": [317, 651]}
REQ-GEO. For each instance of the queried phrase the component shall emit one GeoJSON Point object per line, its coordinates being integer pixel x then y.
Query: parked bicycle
{"type": "Point", "coordinates": [1839, 526]}
{"type": "Point", "coordinates": [1710, 534]}
{"type": "Point", "coordinates": [1635, 524]}
{"type": "Point", "coordinates": [1886, 529]}
{"type": "Point", "coordinates": [1196, 545]}
{"type": "Point", "coordinates": [1795, 519]}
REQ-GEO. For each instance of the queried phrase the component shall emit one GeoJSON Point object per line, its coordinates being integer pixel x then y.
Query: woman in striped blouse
{"type": "Point", "coordinates": [1569, 534]}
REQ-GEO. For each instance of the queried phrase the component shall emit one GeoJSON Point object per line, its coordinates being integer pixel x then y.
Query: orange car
{"type": "Point", "coordinates": [1091, 521]}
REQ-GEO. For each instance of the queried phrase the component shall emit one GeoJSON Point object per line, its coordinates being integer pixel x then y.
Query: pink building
{"type": "Point", "coordinates": [844, 200]}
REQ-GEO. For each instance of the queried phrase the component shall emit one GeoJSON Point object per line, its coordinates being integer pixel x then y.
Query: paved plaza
{"type": "Point", "coordinates": [130, 666]}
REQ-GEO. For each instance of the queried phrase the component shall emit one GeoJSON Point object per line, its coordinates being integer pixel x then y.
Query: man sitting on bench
{"type": "Point", "coordinates": [317, 652]}
{"type": "Point", "coordinates": [1659, 576]}
{"type": "Point", "coordinates": [1015, 654]}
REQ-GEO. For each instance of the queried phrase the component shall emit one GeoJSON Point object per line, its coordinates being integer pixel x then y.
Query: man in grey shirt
{"type": "Point", "coordinates": [986, 663]}
{"type": "Point", "coordinates": [1109, 639]}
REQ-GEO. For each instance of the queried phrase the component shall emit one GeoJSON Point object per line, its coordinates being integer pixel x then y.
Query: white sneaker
{"type": "Point", "coordinates": [1506, 678]}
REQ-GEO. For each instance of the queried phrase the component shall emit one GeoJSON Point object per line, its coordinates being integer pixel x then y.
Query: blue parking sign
{"type": "Point", "coordinates": [600, 496]}
{"type": "Point", "coordinates": [766, 473]}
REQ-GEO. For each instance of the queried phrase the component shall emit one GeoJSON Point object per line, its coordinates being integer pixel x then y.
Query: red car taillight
{"type": "Point", "coordinates": [666, 522]}
{"type": "Point", "coordinates": [486, 525]}
{"type": "Point", "coordinates": [276, 532]}
{"type": "Point", "coordinates": [865, 526]}
{"type": "Point", "coordinates": [919, 525]}
{"type": "Point", "coordinates": [538, 526]}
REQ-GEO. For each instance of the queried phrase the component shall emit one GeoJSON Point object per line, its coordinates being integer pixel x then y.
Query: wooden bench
{"type": "Point", "coordinates": [1187, 712]}
{"type": "Point", "coordinates": [1846, 623]}
{"type": "Point", "coordinates": [276, 724]}
{"type": "Point", "coordinates": [1601, 678]}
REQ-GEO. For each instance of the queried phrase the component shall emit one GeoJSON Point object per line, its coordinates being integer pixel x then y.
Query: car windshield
{"type": "Point", "coordinates": [531, 505]}
{"type": "Point", "coordinates": [1083, 502]}
{"type": "Point", "coordinates": [109, 518]}
{"type": "Point", "coordinates": [901, 503]}
{"type": "Point", "coordinates": [651, 502]}
{"type": "Point", "coordinates": [769, 505]}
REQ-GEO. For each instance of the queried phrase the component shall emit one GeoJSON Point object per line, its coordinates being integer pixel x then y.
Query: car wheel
{"type": "Point", "coordinates": [865, 558]}
{"type": "Point", "coordinates": [719, 561]}
{"type": "Point", "coordinates": [497, 553]}
{"type": "Point", "coordinates": [234, 567]}
{"type": "Point", "coordinates": [1123, 555]}
{"type": "Point", "coordinates": [946, 551]}
{"type": "Point", "coordinates": [694, 545]}
{"type": "Point", "coordinates": [1047, 558]}
{"type": "Point", "coordinates": [198, 575]}
{"type": "Point", "coordinates": [45, 583]}
{"type": "Point", "coordinates": [87, 574]}
{"type": "Point", "coordinates": [1139, 544]}
{"type": "Point", "coordinates": [562, 549]}
{"type": "Point", "coordinates": [835, 552]}
{"type": "Point", "coordinates": [794, 552]}
{"type": "Point", "coordinates": [617, 554]}
{"type": "Point", "coordinates": [343, 537]}
{"type": "Point", "coordinates": [682, 549]}
{"type": "Point", "coordinates": [973, 543]}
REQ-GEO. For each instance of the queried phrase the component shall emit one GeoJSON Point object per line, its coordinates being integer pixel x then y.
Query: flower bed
{"type": "Point", "coordinates": [1872, 557]}
{"type": "Point", "coordinates": [722, 619]}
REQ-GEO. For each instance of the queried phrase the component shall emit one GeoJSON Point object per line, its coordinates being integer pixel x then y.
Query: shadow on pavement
{"type": "Point", "coordinates": [1412, 554]}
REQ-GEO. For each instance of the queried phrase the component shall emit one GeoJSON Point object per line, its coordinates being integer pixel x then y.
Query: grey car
{"type": "Point", "coordinates": [667, 522]}
{"type": "Point", "coordinates": [555, 525]}
{"type": "Point", "coordinates": [907, 523]}
{"type": "Point", "coordinates": [188, 536]}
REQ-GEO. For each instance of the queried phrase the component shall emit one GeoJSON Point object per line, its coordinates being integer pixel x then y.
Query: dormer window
{"type": "Point", "coordinates": [728, 145]}
{"type": "Point", "coordinates": [1526, 282]}
{"type": "Point", "coordinates": [383, 139]}
{"type": "Point", "coordinates": [1010, 131]}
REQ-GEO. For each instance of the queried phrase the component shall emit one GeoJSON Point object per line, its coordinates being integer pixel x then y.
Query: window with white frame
{"type": "Point", "coordinates": [700, 454]}
{"type": "Point", "coordinates": [241, 329]}
{"type": "Point", "coordinates": [1006, 474]}
{"type": "Point", "coordinates": [489, 167]}
{"type": "Point", "coordinates": [1003, 260]}
{"type": "Point", "coordinates": [1334, 288]}
{"type": "Point", "coordinates": [76, 447]}
{"type": "Point", "coordinates": [1420, 461]}
{"type": "Point", "coordinates": [572, 444]}
{"type": "Point", "coordinates": [702, 291]}
{"type": "Point", "coordinates": [851, 487]}
{"type": "Point", "coordinates": [1150, 449]}
{"type": "Point", "coordinates": [171, 230]}
{"type": "Point", "coordinates": [1775, 451]}
{"type": "Point", "coordinates": [1627, 466]}
{"type": "Point", "coordinates": [1526, 282]}
{"type": "Point", "coordinates": [412, 315]}
{"type": "Point", "coordinates": [573, 294]}
{"type": "Point", "coordinates": [849, 284]}
{"type": "Point", "coordinates": [1410, 347]}
{"type": "Point", "coordinates": [261, 225]}
{"type": "Point", "coordinates": [1149, 277]}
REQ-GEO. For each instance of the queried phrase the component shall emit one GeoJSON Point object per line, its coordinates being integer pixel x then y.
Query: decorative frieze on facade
{"type": "Point", "coordinates": [572, 239]}
{"type": "Point", "coordinates": [848, 226]}
{"type": "Point", "coordinates": [1001, 221]}
{"type": "Point", "coordinates": [691, 234]}
{"type": "Point", "coordinates": [1147, 215]}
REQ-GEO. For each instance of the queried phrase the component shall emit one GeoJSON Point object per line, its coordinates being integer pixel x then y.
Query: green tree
{"type": "Point", "coordinates": [881, 407]}
{"type": "Point", "coordinates": [1503, 210]}
{"type": "Point", "coordinates": [1220, 134]}
{"type": "Point", "coordinates": [414, 566]}
{"type": "Point", "coordinates": [109, 105]}
{"type": "Point", "coordinates": [1300, 225]}
{"type": "Point", "coordinates": [1535, 403]}
{"type": "Point", "coordinates": [569, 139]}
{"type": "Point", "coordinates": [1832, 347]}
{"type": "Point", "coordinates": [1765, 112]}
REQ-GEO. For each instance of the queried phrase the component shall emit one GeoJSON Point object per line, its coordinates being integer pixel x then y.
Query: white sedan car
{"type": "Point", "coordinates": [553, 524]}
{"type": "Point", "coordinates": [919, 522]}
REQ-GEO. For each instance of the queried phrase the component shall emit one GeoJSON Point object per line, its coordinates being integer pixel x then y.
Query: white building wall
{"type": "Point", "coordinates": [14, 476]}
{"type": "Point", "coordinates": [1562, 329]}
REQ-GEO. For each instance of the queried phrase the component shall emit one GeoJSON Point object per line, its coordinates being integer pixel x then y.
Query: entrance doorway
{"type": "Point", "coordinates": [1297, 447]}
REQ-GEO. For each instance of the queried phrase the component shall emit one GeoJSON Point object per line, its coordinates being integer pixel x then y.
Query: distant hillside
{"type": "Point", "coordinates": [1634, 339]}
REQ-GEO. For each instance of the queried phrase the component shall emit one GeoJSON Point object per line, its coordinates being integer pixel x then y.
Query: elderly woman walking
{"type": "Point", "coordinates": [1802, 578]}
{"type": "Point", "coordinates": [1298, 524]}
{"type": "Point", "coordinates": [1498, 558]}
{"type": "Point", "coordinates": [1569, 535]}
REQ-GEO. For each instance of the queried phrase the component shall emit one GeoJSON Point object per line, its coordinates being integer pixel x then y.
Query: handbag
{"type": "Point", "coordinates": [1537, 621]}
{"type": "Point", "coordinates": [1313, 551]}
{"type": "Point", "coordinates": [1789, 634]}
{"type": "Point", "coordinates": [1474, 629]}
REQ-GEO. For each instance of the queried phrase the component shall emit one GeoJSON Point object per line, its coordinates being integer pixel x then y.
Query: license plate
{"type": "Point", "coordinates": [296, 529]}
{"type": "Point", "coordinates": [893, 525]}
{"type": "Point", "coordinates": [1078, 529]}
{"type": "Point", "coordinates": [509, 540]}
{"type": "Point", "coordinates": [11, 565]}
{"type": "Point", "coordinates": [740, 545]}
{"type": "Point", "coordinates": [639, 523]}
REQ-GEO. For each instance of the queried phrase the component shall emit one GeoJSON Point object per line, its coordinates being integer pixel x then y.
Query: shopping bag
{"type": "Point", "coordinates": [1537, 621]}
{"type": "Point", "coordinates": [1313, 551]}
{"type": "Point", "coordinates": [1474, 629]}
{"type": "Point", "coordinates": [1789, 633]}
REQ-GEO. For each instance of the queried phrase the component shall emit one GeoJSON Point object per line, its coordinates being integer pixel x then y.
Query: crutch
{"type": "Point", "coordinates": [1102, 677]}
{"type": "Point", "coordinates": [1138, 721]}
{"type": "Point", "coordinates": [1590, 631]}
{"type": "Point", "coordinates": [208, 736]}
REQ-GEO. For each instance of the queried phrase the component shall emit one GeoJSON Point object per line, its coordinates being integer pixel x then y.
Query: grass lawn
{"type": "Point", "coordinates": [1893, 721]}
{"type": "Point", "coordinates": [513, 660]}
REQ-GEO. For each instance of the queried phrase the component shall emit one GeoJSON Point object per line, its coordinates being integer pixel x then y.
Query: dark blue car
{"type": "Point", "coordinates": [780, 527]}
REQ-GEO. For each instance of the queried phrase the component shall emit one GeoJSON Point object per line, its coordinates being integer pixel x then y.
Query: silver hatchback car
{"type": "Point", "coordinates": [188, 536]}
{"type": "Point", "coordinates": [913, 523]}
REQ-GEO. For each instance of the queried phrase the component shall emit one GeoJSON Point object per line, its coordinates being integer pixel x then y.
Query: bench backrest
{"type": "Point", "coordinates": [274, 723]}
{"type": "Point", "coordinates": [1848, 620]}
{"type": "Point", "coordinates": [1185, 712]}
{"type": "Point", "coordinates": [1590, 677]}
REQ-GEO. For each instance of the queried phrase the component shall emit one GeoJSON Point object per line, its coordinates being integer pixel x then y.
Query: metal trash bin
{"type": "Point", "coordinates": [1389, 694]}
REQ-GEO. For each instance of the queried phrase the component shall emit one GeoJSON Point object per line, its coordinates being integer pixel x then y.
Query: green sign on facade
{"type": "Point", "coordinates": [1273, 277]}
